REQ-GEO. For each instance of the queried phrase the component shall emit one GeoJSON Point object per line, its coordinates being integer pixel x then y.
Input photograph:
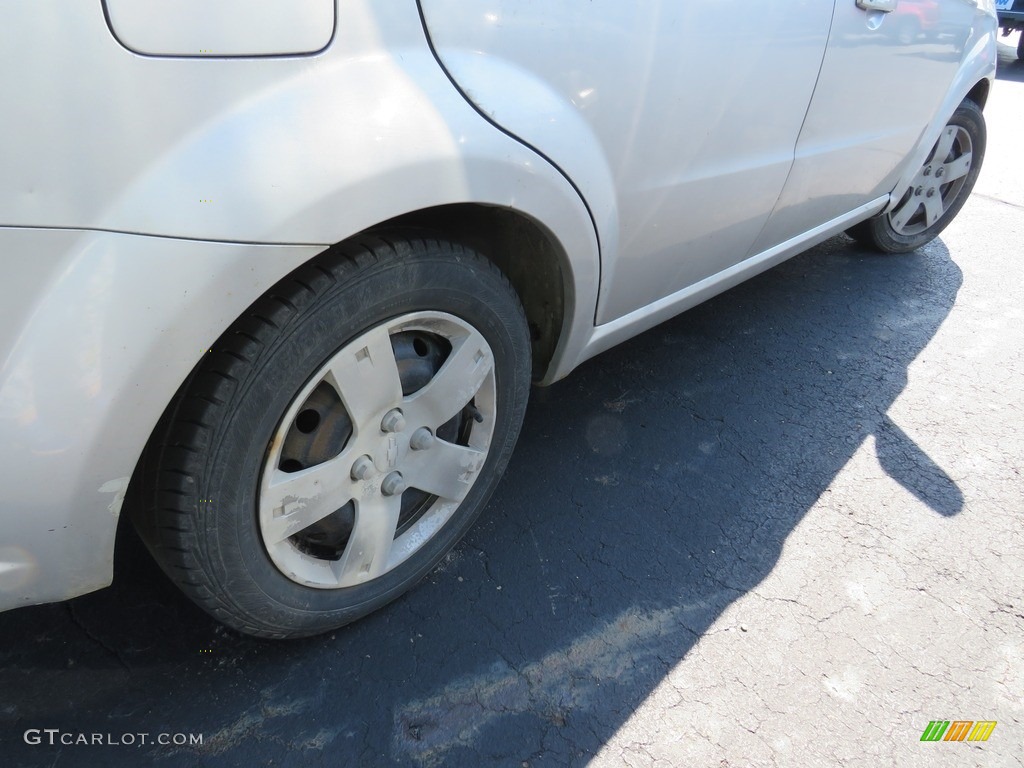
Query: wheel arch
{"type": "Point", "coordinates": [979, 93]}
{"type": "Point", "coordinates": [526, 251]}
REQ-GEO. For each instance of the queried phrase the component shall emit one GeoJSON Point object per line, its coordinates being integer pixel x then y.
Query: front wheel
{"type": "Point", "coordinates": [937, 192]}
{"type": "Point", "coordinates": [339, 438]}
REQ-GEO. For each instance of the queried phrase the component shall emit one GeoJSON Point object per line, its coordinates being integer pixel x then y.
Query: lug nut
{"type": "Point", "coordinates": [393, 421]}
{"type": "Point", "coordinates": [362, 467]}
{"type": "Point", "coordinates": [931, 193]}
{"type": "Point", "coordinates": [393, 484]}
{"type": "Point", "coordinates": [928, 171]}
{"type": "Point", "coordinates": [421, 439]}
{"type": "Point", "coordinates": [918, 191]}
{"type": "Point", "coordinates": [938, 174]}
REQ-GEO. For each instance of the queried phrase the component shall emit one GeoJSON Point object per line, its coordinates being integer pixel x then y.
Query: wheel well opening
{"type": "Point", "coordinates": [979, 93]}
{"type": "Point", "coordinates": [526, 252]}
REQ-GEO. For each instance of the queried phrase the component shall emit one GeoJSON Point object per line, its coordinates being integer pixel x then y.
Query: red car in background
{"type": "Point", "coordinates": [914, 18]}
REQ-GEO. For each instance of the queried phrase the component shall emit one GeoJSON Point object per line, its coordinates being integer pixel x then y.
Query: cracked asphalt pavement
{"type": "Point", "coordinates": [783, 529]}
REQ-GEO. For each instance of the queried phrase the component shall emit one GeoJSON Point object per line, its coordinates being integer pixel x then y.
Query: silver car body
{"type": "Point", "coordinates": [165, 163]}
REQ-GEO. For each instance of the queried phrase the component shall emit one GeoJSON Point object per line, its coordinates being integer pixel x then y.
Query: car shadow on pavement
{"type": "Point", "coordinates": [649, 491]}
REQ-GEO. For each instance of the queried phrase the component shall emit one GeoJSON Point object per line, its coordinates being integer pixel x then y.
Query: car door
{"type": "Point", "coordinates": [884, 77]}
{"type": "Point", "coordinates": [676, 121]}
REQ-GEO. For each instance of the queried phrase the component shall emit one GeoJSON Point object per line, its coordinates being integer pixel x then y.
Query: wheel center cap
{"type": "Point", "coordinates": [391, 451]}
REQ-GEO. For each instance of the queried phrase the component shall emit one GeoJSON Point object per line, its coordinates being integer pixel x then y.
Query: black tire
{"type": "Point", "coordinates": [879, 233]}
{"type": "Point", "coordinates": [201, 471]}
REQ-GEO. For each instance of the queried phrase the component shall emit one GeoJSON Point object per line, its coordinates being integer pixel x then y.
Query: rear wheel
{"type": "Point", "coordinates": [340, 438]}
{"type": "Point", "coordinates": [938, 191]}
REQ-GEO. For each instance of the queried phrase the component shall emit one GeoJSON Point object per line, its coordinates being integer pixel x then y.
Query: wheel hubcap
{"type": "Point", "coordinates": [937, 185]}
{"type": "Point", "coordinates": [378, 450]}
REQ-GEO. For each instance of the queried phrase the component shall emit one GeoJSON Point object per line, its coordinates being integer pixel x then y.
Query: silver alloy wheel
{"type": "Point", "coordinates": [937, 185]}
{"type": "Point", "coordinates": [394, 448]}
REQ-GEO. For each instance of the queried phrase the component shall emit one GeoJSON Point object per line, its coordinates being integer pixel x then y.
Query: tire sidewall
{"type": "Point", "coordinates": [431, 281]}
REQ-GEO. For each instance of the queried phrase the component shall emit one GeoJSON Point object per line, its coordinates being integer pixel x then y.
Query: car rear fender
{"type": "Point", "coordinates": [185, 190]}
